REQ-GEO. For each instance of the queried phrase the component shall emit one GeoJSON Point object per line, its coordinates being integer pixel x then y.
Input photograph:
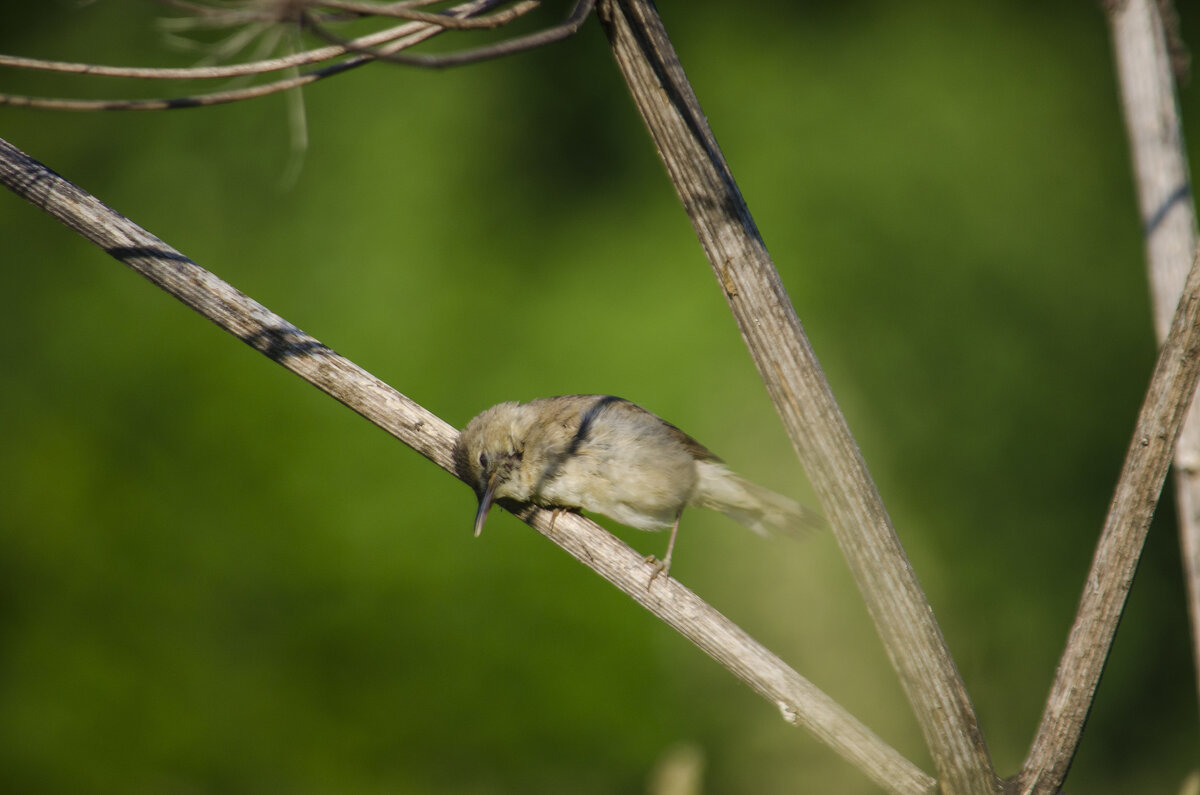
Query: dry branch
{"type": "Point", "coordinates": [781, 352]}
{"type": "Point", "coordinates": [799, 701]}
{"type": "Point", "coordinates": [568, 27]}
{"type": "Point", "coordinates": [310, 15]}
{"type": "Point", "coordinates": [1144, 70]}
{"type": "Point", "coordinates": [1167, 400]}
{"type": "Point", "coordinates": [801, 394]}
{"type": "Point", "coordinates": [306, 58]}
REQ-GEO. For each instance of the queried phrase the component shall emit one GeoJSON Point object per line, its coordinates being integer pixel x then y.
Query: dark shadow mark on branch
{"type": "Point", "coordinates": [1181, 194]}
{"type": "Point", "coordinates": [286, 342]}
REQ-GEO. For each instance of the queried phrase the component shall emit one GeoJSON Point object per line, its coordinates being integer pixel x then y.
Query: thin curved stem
{"type": "Point", "coordinates": [387, 43]}
{"type": "Point", "coordinates": [441, 19]}
{"type": "Point", "coordinates": [541, 38]}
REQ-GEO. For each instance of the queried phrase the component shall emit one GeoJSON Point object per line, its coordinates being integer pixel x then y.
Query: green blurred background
{"type": "Point", "coordinates": [215, 579]}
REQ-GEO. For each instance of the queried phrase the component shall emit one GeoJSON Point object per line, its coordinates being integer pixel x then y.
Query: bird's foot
{"type": "Point", "coordinates": [659, 568]}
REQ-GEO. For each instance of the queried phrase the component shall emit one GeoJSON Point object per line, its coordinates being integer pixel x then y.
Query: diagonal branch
{"type": "Point", "coordinates": [1167, 399]}
{"type": "Point", "coordinates": [798, 700]}
{"type": "Point", "coordinates": [801, 394]}
{"type": "Point", "coordinates": [1143, 59]}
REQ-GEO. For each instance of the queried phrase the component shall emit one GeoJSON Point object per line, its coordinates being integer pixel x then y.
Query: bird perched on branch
{"type": "Point", "coordinates": [604, 454]}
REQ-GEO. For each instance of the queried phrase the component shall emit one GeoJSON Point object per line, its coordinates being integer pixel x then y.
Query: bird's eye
{"type": "Point", "coordinates": [483, 460]}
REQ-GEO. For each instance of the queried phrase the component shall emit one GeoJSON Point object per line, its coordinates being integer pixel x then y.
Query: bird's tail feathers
{"type": "Point", "coordinates": [760, 509]}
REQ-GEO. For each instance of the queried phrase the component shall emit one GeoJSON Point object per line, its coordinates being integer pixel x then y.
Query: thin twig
{"type": "Point", "coordinates": [1145, 65]}
{"type": "Point", "coordinates": [568, 27]}
{"type": "Point", "coordinates": [305, 58]}
{"type": "Point", "coordinates": [1167, 399]}
{"type": "Point", "coordinates": [800, 702]}
{"type": "Point", "coordinates": [381, 45]}
{"type": "Point", "coordinates": [442, 19]}
{"type": "Point", "coordinates": [801, 394]}
{"type": "Point", "coordinates": [192, 100]}
{"type": "Point", "coordinates": [420, 32]}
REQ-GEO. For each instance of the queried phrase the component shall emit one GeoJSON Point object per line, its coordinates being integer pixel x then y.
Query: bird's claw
{"type": "Point", "coordinates": [659, 568]}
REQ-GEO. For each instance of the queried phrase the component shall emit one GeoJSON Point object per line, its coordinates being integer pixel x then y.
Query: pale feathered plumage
{"type": "Point", "coordinates": [604, 454]}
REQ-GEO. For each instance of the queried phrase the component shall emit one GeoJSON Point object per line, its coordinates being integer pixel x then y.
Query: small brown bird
{"type": "Point", "coordinates": [604, 454]}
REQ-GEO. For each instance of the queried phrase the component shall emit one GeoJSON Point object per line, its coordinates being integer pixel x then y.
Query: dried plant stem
{"type": "Point", "coordinates": [1164, 197]}
{"type": "Point", "coordinates": [801, 394]}
{"type": "Point", "coordinates": [230, 309]}
{"type": "Point", "coordinates": [1167, 399]}
{"type": "Point", "coordinates": [1143, 60]}
{"type": "Point", "coordinates": [440, 19]}
{"type": "Point", "coordinates": [569, 27]}
{"type": "Point", "coordinates": [382, 45]}
{"type": "Point", "coordinates": [798, 700]}
{"type": "Point", "coordinates": [305, 58]}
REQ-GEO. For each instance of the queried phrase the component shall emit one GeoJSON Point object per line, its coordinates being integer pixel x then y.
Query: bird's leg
{"type": "Point", "coordinates": [665, 567]}
{"type": "Point", "coordinates": [554, 512]}
{"type": "Point", "coordinates": [671, 543]}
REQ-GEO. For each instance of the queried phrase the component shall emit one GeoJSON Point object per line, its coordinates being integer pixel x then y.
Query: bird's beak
{"type": "Point", "coordinates": [485, 504]}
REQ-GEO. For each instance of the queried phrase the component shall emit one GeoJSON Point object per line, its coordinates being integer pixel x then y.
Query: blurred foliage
{"type": "Point", "coordinates": [214, 579]}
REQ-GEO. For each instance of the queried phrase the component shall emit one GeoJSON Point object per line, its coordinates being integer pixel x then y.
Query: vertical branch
{"type": "Point", "coordinates": [1143, 62]}
{"type": "Point", "coordinates": [801, 395]}
{"type": "Point", "coordinates": [1167, 399]}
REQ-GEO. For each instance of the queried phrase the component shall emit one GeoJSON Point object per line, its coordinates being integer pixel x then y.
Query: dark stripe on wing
{"type": "Point", "coordinates": [589, 418]}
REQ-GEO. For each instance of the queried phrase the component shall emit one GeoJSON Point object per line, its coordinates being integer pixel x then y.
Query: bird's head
{"type": "Point", "coordinates": [488, 455]}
